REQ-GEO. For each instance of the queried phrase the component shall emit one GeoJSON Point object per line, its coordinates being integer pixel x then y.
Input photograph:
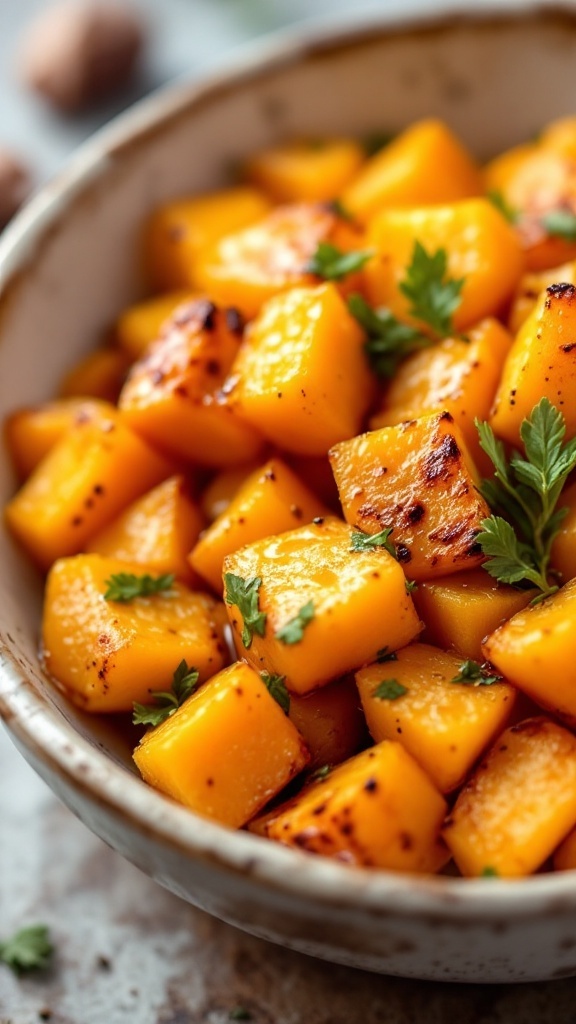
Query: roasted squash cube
{"type": "Point", "coordinates": [140, 325]}
{"type": "Point", "coordinates": [32, 433]}
{"type": "Point", "coordinates": [305, 171]}
{"type": "Point", "coordinates": [302, 376]}
{"type": "Point", "coordinates": [529, 289]}
{"type": "Point", "coordinates": [226, 751]}
{"type": "Point", "coordinates": [331, 722]}
{"type": "Point", "coordinates": [445, 725]}
{"type": "Point", "coordinates": [327, 608]}
{"type": "Point", "coordinates": [418, 479]}
{"type": "Point", "coordinates": [377, 810]}
{"type": "Point", "coordinates": [107, 654]}
{"type": "Point", "coordinates": [218, 494]}
{"type": "Point", "coordinates": [563, 554]}
{"type": "Point", "coordinates": [520, 803]}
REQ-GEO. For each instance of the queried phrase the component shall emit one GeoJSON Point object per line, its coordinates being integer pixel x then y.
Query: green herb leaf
{"type": "Point", "coordinates": [245, 595]}
{"type": "Point", "coordinates": [368, 542]}
{"type": "Point", "coordinates": [184, 683]}
{"type": "Point", "coordinates": [389, 689]}
{"type": "Point", "coordinates": [321, 773]}
{"type": "Point", "coordinates": [501, 203]}
{"type": "Point", "coordinates": [331, 264]}
{"type": "Point", "coordinates": [473, 674]}
{"type": "Point", "coordinates": [293, 631]}
{"type": "Point", "coordinates": [561, 223]}
{"type": "Point", "coordinates": [489, 872]}
{"type": "Point", "coordinates": [276, 686]}
{"type": "Point", "coordinates": [410, 586]}
{"type": "Point", "coordinates": [125, 586]}
{"type": "Point", "coordinates": [29, 949]}
{"type": "Point", "coordinates": [433, 295]}
{"type": "Point", "coordinates": [388, 340]}
{"type": "Point", "coordinates": [382, 655]}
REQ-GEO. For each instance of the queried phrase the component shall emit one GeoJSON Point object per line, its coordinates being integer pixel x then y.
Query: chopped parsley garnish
{"type": "Point", "coordinates": [245, 595]}
{"type": "Point", "coordinates": [561, 223]}
{"type": "Point", "coordinates": [125, 586]}
{"type": "Point", "coordinates": [184, 683]}
{"type": "Point", "coordinates": [331, 264]}
{"type": "Point", "coordinates": [29, 949]}
{"type": "Point", "coordinates": [276, 686]}
{"type": "Point", "coordinates": [368, 542]}
{"type": "Point", "coordinates": [411, 586]}
{"type": "Point", "coordinates": [434, 297]}
{"type": "Point", "coordinates": [321, 773]}
{"type": "Point", "coordinates": [293, 631]}
{"type": "Point", "coordinates": [389, 689]}
{"type": "Point", "coordinates": [473, 674]}
{"type": "Point", "coordinates": [388, 340]}
{"type": "Point", "coordinates": [489, 872]}
{"type": "Point", "coordinates": [526, 491]}
{"type": "Point", "coordinates": [501, 203]}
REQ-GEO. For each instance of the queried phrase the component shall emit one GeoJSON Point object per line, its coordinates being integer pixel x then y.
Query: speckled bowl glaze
{"type": "Point", "coordinates": [67, 266]}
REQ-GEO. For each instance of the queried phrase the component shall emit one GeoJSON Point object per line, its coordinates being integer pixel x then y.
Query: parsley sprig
{"type": "Point", "coordinates": [367, 542]}
{"type": "Point", "coordinates": [29, 949]}
{"type": "Point", "coordinates": [473, 674]}
{"type": "Point", "coordinates": [526, 491]}
{"type": "Point", "coordinates": [331, 264]}
{"type": "Point", "coordinates": [434, 296]}
{"type": "Point", "coordinates": [125, 586]}
{"type": "Point", "coordinates": [166, 702]}
{"type": "Point", "coordinates": [389, 689]}
{"type": "Point", "coordinates": [276, 686]}
{"type": "Point", "coordinates": [561, 223]}
{"type": "Point", "coordinates": [388, 340]}
{"type": "Point", "coordinates": [292, 632]}
{"type": "Point", "coordinates": [245, 595]}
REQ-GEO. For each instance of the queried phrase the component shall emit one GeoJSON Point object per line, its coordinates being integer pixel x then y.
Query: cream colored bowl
{"type": "Point", "coordinates": [67, 266]}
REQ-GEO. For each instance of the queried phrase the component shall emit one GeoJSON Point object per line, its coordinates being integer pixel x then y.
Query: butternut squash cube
{"type": "Point", "coordinates": [248, 268]}
{"type": "Point", "coordinates": [377, 810]}
{"type": "Point", "coordinates": [156, 531]}
{"type": "Point", "coordinates": [173, 398]}
{"type": "Point", "coordinates": [218, 494]}
{"type": "Point", "coordinates": [418, 479]}
{"type": "Point", "coordinates": [461, 610]}
{"type": "Point", "coordinates": [107, 654]}
{"type": "Point", "coordinates": [563, 554]}
{"type": "Point", "coordinates": [458, 376]}
{"type": "Point", "coordinates": [331, 722]}
{"type": "Point", "coordinates": [140, 325]}
{"type": "Point", "coordinates": [327, 607]}
{"type": "Point", "coordinates": [520, 803]}
{"type": "Point", "coordinates": [305, 171]}
{"type": "Point", "coordinates": [536, 650]}
{"type": "Point", "coordinates": [180, 230]}
{"type": "Point", "coordinates": [302, 376]}
{"type": "Point", "coordinates": [529, 290]}
{"type": "Point", "coordinates": [401, 175]}
{"type": "Point", "coordinates": [226, 751]}
{"type": "Point", "coordinates": [270, 501]}
{"type": "Point", "coordinates": [541, 363]}
{"type": "Point", "coordinates": [480, 244]}
{"type": "Point", "coordinates": [443, 724]}
{"type": "Point", "coordinates": [32, 433]}
{"type": "Point", "coordinates": [100, 374]}
{"type": "Point", "coordinates": [96, 469]}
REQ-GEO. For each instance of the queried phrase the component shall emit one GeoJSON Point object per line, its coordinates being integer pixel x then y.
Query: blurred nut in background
{"type": "Point", "coordinates": [14, 185]}
{"type": "Point", "coordinates": [78, 53]}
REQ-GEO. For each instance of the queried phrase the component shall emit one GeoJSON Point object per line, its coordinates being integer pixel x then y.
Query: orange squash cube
{"type": "Point", "coordinates": [100, 374]}
{"type": "Point", "coordinates": [353, 603]}
{"type": "Point", "coordinates": [563, 554]}
{"type": "Point", "coordinates": [107, 654]}
{"type": "Point", "coordinates": [218, 494]}
{"type": "Point", "coordinates": [31, 433]}
{"type": "Point", "coordinates": [173, 395]}
{"type": "Point", "coordinates": [305, 171]}
{"type": "Point", "coordinates": [138, 326]}
{"type": "Point", "coordinates": [444, 725]}
{"type": "Point", "coordinates": [529, 290]}
{"type": "Point", "coordinates": [418, 479]}
{"type": "Point", "coordinates": [520, 803]}
{"type": "Point", "coordinates": [226, 751]}
{"type": "Point", "coordinates": [331, 722]}
{"type": "Point", "coordinates": [377, 810]}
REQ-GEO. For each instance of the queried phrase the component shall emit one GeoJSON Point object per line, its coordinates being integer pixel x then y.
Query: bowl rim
{"type": "Point", "coordinates": [45, 732]}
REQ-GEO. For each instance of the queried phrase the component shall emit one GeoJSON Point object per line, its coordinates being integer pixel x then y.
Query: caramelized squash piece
{"type": "Point", "coordinates": [173, 395]}
{"type": "Point", "coordinates": [107, 654]}
{"type": "Point", "coordinates": [302, 376]}
{"type": "Point", "coordinates": [331, 722]}
{"type": "Point", "coordinates": [418, 479]}
{"type": "Point", "coordinates": [156, 531]}
{"type": "Point", "coordinates": [377, 810]}
{"type": "Point", "coordinates": [32, 433]}
{"type": "Point", "coordinates": [218, 494]}
{"type": "Point", "coordinates": [425, 164]}
{"type": "Point", "coordinates": [354, 603]}
{"type": "Point", "coordinates": [444, 725]}
{"type": "Point", "coordinates": [529, 290]}
{"type": "Point", "coordinates": [305, 171]}
{"type": "Point", "coordinates": [140, 325]}
{"type": "Point", "coordinates": [270, 501]}
{"type": "Point", "coordinates": [99, 375]}
{"type": "Point", "coordinates": [520, 803]}
{"type": "Point", "coordinates": [227, 751]}
{"type": "Point", "coordinates": [87, 479]}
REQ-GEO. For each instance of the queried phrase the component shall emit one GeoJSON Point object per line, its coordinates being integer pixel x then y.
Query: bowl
{"type": "Point", "coordinates": [68, 264]}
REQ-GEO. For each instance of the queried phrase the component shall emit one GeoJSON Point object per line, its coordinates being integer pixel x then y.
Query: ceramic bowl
{"type": "Point", "coordinates": [67, 266]}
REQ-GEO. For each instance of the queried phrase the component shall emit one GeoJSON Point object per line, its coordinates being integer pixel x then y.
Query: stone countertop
{"type": "Point", "coordinates": [126, 950]}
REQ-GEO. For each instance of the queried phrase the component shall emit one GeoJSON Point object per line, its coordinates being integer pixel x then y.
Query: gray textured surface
{"type": "Point", "coordinates": [126, 950]}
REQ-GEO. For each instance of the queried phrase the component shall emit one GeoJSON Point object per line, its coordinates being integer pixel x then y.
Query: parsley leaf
{"type": "Point", "coordinates": [433, 295]}
{"type": "Point", "coordinates": [561, 223]}
{"type": "Point", "coordinates": [244, 594]}
{"type": "Point", "coordinates": [489, 872]}
{"type": "Point", "coordinates": [331, 264]}
{"type": "Point", "coordinates": [410, 586]}
{"type": "Point", "coordinates": [498, 199]}
{"type": "Point", "coordinates": [276, 688]}
{"type": "Point", "coordinates": [293, 630]}
{"type": "Point", "coordinates": [473, 674]}
{"type": "Point", "coordinates": [389, 689]}
{"type": "Point", "coordinates": [367, 542]}
{"type": "Point", "coordinates": [526, 491]}
{"type": "Point", "coordinates": [125, 586]}
{"type": "Point", "coordinates": [388, 340]}
{"type": "Point", "coordinates": [184, 683]}
{"type": "Point", "coordinates": [321, 773]}
{"type": "Point", "coordinates": [29, 949]}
